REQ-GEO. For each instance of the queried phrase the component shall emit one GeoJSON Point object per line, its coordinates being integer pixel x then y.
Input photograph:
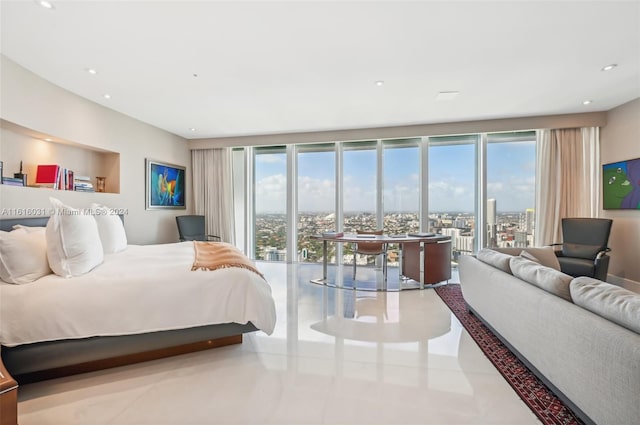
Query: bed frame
{"type": "Point", "coordinates": [47, 360]}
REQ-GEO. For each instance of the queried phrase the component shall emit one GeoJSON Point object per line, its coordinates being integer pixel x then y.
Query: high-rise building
{"type": "Point", "coordinates": [530, 221]}
{"type": "Point", "coordinates": [492, 222]}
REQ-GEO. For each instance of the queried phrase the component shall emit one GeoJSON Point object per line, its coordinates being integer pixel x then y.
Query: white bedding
{"type": "Point", "coordinates": [138, 290]}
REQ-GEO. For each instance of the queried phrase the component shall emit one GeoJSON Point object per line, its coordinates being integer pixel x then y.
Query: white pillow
{"type": "Point", "coordinates": [23, 255]}
{"type": "Point", "coordinates": [28, 229]}
{"type": "Point", "coordinates": [111, 229]}
{"type": "Point", "coordinates": [73, 241]}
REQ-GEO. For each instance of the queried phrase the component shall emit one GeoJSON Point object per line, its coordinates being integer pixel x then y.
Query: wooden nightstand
{"type": "Point", "coordinates": [8, 397]}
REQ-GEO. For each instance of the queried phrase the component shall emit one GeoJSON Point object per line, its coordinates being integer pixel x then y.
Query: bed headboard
{"type": "Point", "coordinates": [7, 224]}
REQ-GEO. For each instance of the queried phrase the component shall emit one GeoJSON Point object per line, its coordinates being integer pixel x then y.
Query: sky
{"type": "Point", "coordinates": [510, 179]}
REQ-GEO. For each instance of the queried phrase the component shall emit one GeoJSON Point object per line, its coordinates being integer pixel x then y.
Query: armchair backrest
{"type": "Point", "coordinates": [191, 227]}
{"type": "Point", "coordinates": [585, 237]}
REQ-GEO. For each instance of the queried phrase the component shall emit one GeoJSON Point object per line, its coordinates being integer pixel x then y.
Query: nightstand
{"type": "Point", "coordinates": [8, 397]}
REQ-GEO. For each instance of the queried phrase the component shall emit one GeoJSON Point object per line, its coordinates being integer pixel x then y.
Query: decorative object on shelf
{"type": "Point", "coordinates": [20, 175]}
{"type": "Point", "coordinates": [165, 185]}
{"type": "Point", "coordinates": [621, 185]}
{"type": "Point", "coordinates": [101, 184]}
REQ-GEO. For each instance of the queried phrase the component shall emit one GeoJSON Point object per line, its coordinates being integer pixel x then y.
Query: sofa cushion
{"type": "Point", "coordinates": [612, 302]}
{"type": "Point", "coordinates": [552, 281]}
{"type": "Point", "coordinates": [544, 255]}
{"type": "Point", "coordinates": [495, 259]}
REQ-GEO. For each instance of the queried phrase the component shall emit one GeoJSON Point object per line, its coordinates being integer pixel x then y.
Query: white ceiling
{"type": "Point", "coordinates": [279, 67]}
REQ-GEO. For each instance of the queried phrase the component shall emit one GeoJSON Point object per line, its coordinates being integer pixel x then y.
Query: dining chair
{"type": "Point", "coordinates": [370, 248]}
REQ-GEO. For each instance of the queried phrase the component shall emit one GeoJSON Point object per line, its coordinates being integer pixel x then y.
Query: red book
{"type": "Point", "coordinates": [47, 174]}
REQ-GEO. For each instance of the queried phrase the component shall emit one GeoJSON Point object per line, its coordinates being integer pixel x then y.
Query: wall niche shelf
{"type": "Point", "coordinates": [33, 148]}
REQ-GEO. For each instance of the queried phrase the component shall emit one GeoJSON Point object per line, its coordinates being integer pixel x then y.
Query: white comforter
{"type": "Point", "coordinates": [141, 289]}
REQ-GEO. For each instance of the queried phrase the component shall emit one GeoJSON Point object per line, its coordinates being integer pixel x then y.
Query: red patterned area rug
{"type": "Point", "coordinates": [544, 403]}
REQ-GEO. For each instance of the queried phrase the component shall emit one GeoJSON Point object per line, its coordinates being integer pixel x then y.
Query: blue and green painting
{"type": "Point", "coordinates": [621, 185]}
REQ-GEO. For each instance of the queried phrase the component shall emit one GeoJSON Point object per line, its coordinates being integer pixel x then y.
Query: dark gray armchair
{"type": "Point", "coordinates": [584, 247]}
{"type": "Point", "coordinates": [192, 228]}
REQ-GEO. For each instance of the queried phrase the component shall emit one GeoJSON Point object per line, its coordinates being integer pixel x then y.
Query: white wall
{"type": "Point", "coordinates": [30, 101]}
{"type": "Point", "coordinates": [620, 140]}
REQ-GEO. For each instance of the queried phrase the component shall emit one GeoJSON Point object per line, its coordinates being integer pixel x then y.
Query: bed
{"type": "Point", "coordinates": [141, 303]}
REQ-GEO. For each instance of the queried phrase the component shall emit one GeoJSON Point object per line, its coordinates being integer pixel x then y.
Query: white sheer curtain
{"type": "Point", "coordinates": [568, 174]}
{"type": "Point", "coordinates": [213, 190]}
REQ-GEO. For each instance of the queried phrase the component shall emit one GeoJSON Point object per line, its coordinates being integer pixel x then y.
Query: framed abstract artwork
{"type": "Point", "coordinates": [621, 185]}
{"type": "Point", "coordinates": [165, 185]}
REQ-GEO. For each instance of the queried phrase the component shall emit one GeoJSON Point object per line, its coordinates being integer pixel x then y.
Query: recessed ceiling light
{"type": "Point", "coordinates": [609, 67]}
{"type": "Point", "coordinates": [447, 95]}
{"type": "Point", "coordinates": [106, 96]}
{"type": "Point", "coordinates": [192, 129]}
{"type": "Point", "coordinates": [587, 102]}
{"type": "Point", "coordinates": [48, 140]}
{"type": "Point", "coordinates": [379, 83]}
{"type": "Point", "coordinates": [91, 71]}
{"type": "Point", "coordinates": [46, 4]}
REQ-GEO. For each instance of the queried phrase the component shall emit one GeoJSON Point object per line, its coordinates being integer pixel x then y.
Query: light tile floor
{"type": "Point", "coordinates": [337, 356]}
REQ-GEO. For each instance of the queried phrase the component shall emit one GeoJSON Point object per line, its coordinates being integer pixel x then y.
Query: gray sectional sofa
{"type": "Point", "coordinates": [580, 336]}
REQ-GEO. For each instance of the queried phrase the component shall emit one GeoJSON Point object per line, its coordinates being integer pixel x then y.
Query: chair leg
{"type": "Point", "coordinates": [354, 265]}
{"type": "Point", "coordinates": [384, 265]}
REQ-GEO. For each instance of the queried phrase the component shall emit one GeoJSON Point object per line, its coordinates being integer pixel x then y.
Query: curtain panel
{"type": "Point", "coordinates": [213, 190]}
{"type": "Point", "coordinates": [568, 174]}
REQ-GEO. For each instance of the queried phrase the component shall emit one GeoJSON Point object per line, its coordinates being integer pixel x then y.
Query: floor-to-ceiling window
{"type": "Point", "coordinates": [270, 176]}
{"type": "Point", "coordinates": [452, 190]}
{"type": "Point", "coordinates": [360, 186]}
{"type": "Point", "coordinates": [316, 199]}
{"type": "Point", "coordinates": [511, 177]}
{"type": "Point", "coordinates": [478, 189]}
{"type": "Point", "coordinates": [360, 191]}
{"type": "Point", "coordinates": [401, 190]}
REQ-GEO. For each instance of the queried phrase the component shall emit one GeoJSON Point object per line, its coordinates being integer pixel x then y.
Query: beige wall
{"type": "Point", "coordinates": [31, 102]}
{"type": "Point", "coordinates": [620, 140]}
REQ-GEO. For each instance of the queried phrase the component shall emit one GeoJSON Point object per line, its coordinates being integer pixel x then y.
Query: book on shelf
{"type": "Point", "coordinates": [53, 176]}
{"type": "Point", "coordinates": [13, 181]}
{"type": "Point", "coordinates": [422, 234]}
{"type": "Point", "coordinates": [47, 176]}
{"type": "Point", "coordinates": [332, 234]}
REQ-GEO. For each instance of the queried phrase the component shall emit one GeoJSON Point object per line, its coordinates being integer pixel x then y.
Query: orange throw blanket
{"type": "Point", "coordinates": [220, 255]}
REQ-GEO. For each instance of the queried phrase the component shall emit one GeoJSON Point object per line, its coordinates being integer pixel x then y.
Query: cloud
{"type": "Point", "coordinates": [316, 194]}
{"type": "Point", "coordinates": [271, 194]}
{"type": "Point", "coordinates": [271, 158]}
